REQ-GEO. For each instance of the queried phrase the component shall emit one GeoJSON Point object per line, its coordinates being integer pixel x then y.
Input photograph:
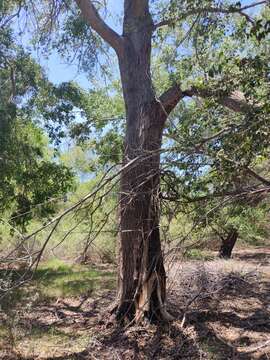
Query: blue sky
{"type": "Point", "coordinates": [58, 71]}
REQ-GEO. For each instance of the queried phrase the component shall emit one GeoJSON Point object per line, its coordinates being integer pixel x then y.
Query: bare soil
{"type": "Point", "coordinates": [222, 311]}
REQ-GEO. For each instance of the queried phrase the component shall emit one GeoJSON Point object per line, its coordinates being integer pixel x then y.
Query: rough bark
{"type": "Point", "coordinates": [142, 278]}
{"type": "Point", "coordinates": [227, 244]}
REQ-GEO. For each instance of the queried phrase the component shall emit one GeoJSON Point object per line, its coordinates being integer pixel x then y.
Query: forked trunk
{"type": "Point", "coordinates": [227, 244]}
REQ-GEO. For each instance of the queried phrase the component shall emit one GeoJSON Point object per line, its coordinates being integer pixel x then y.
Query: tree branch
{"type": "Point", "coordinates": [11, 17]}
{"type": "Point", "coordinates": [257, 176]}
{"type": "Point", "coordinates": [235, 101]}
{"type": "Point", "coordinates": [240, 193]}
{"type": "Point", "coordinates": [170, 98]}
{"type": "Point", "coordinates": [229, 10]}
{"type": "Point", "coordinates": [91, 15]}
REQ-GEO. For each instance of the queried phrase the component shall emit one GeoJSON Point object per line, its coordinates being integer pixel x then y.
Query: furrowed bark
{"type": "Point", "coordinates": [142, 278]}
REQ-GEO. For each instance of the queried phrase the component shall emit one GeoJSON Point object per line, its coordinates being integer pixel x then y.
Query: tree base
{"type": "Point", "coordinates": [148, 305]}
{"type": "Point", "coordinates": [227, 245]}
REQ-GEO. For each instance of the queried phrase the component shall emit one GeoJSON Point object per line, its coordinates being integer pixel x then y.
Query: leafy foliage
{"type": "Point", "coordinates": [29, 177]}
{"type": "Point", "coordinates": [213, 46]}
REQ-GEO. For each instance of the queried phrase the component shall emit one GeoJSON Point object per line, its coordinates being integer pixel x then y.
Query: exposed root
{"type": "Point", "coordinates": [143, 304]}
{"type": "Point", "coordinates": [162, 307]}
{"type": "Point", "coordinates": [143, 301]}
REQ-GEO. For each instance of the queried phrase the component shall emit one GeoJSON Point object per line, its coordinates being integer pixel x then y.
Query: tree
{"type": "Point", "coordinates": [142, 277]}
{"type": "Point", "coordinates": [208, 171]}
{"type": "Point", "coordinates": [30, 177]}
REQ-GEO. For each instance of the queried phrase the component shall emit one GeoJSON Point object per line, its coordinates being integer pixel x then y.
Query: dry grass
{"type": "Point", "coordinates": [221, 309]}
{"type": "Point", "coordinates": [227, 303]}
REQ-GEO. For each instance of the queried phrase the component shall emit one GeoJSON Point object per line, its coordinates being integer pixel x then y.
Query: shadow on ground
{"type": "Point", "coordinates": [231, 323]}
{"type": "Point", "coordinates": [261, 257]}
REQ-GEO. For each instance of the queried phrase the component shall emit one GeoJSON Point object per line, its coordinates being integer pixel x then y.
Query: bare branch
{"type": "Point", "coordinates": [91, 15]}
{"type": "Point", "coordinates": [11, 17]}
{"type": "Point", "coordinates": [229, 10]}
{"type": "Point", "coordinates": [257, 176]}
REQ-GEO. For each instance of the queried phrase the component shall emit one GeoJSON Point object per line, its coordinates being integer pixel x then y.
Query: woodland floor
{"type": "Point", "coordinates": [222, 311]}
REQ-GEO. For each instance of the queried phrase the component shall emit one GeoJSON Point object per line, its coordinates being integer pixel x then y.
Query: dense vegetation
{"type": "Point", "coordinates": [165, 156]}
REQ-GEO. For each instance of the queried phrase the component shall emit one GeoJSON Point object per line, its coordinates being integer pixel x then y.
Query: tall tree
{"type": "Point", "coordinates": [142, 277]}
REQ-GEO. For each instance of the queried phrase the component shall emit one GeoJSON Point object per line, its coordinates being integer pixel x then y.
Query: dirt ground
{"type": "Point", "coordinates": [222, 311]}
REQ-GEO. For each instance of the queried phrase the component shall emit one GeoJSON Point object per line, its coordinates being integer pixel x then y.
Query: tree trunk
{"type": "Point", "coordinates": [142, 277]}
{"type": "Point", "coordinates": [227, 244]}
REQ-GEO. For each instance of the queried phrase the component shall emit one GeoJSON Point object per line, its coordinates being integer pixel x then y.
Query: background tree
{"type": "Point", "coordinates": [31, 179]}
